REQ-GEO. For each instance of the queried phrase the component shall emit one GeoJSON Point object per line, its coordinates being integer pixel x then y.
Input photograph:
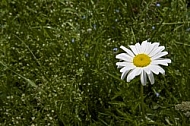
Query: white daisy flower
{"type": "Point", "coordinates": [143, 59]}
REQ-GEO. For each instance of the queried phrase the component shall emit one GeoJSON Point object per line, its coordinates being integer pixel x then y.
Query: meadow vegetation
{"type": "Point", "coordinates": [58, 65]}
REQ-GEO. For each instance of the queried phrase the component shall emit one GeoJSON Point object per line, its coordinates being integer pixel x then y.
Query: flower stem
{"type": "Point", "coordinates": [142, 103]}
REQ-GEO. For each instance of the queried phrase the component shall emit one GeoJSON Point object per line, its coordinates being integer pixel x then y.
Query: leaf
{"type": "Point", "coordinates": [31, 82]}
{"type": "Point", "coordinates": [112, 76]}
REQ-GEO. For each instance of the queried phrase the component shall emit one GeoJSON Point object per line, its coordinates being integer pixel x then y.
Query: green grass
{"type": "Point", "coordinates": [57, 62]}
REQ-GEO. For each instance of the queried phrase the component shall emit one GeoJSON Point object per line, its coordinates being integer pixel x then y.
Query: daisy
{"type": "Point", "coordinates": [143, 59]}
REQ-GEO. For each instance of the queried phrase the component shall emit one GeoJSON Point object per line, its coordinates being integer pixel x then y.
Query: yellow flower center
{"type": "Point", "coordinates": [141, 60]}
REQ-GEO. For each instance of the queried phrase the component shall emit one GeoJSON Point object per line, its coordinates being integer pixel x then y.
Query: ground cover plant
{"type": "Point", "coordinates": [58, 65]}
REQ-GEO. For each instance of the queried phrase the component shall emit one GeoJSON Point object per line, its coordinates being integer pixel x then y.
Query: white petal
{"type": "Point", "coordinates": [157, 51]}
{"type": "Point", "coordinates": [143, 78]}
{"type": "Point", "coordinates": [128, 51]}
{"type": "Point", "coordinates": [135, 72]}
{"type": "Point", "coordinates": [159, 55]}
{"type": "Point", "coordinates": [157, 69]}
{"type": "Point", "coordinates": [155, 44]}
{"type": "Point", "coordinates": [144, 44]}
{"type": "Point", "coordinates": [119, 67]}
{"type": "Point", "coordinates": [138, 47]}
{"type": "Point", "coordinates": [152, 47]}
{"type": "Point", "coordinates": [122, 64]}
{"type": "Point", "coordinates": [147, 69]}
{"type": "Point", "coordinates": [133, 48]}
{"type": "Point", "coordinates": [151, 78]}
{"type": "Point", "coordinates": [125, 57]}
{"type": "Point", "coordinates": [128, 67]}
{"type": "Point", "coordinates": [148, 48]}
{"type": "Point", "coordinates": [161, 62]}
{"type": "Point", "coordinates": [123, 75]}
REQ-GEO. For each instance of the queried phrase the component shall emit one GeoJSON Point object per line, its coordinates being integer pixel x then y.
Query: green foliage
{"type": "Point", "coordinates": [57, 62]}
